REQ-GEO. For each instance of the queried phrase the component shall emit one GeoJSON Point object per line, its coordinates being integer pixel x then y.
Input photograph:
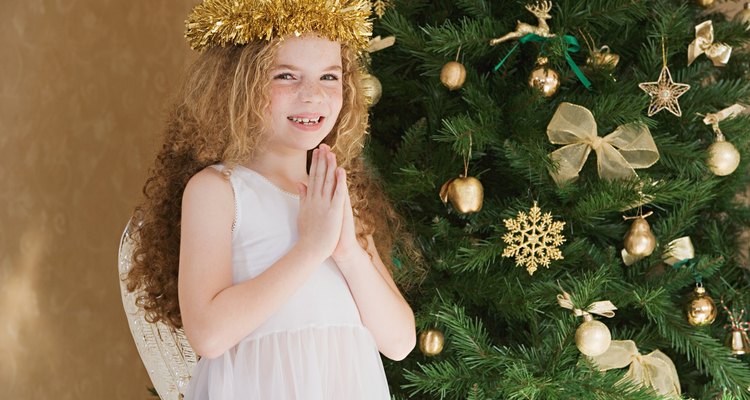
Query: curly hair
{"type": "Point", "coordinates": [218, 117]}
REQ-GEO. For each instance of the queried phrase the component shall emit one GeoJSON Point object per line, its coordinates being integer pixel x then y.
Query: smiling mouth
{"type": "Point", "coordinates": [306, 121]}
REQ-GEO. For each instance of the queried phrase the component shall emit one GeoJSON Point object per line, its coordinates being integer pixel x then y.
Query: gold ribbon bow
{"type": "Point", "coordinates": [654, 370]}
{"type": "Point", "coordinates": [678, 250]}
{"type": "Point", "coordinates": [604, 308]}
{"type": "Point", "coordinates": [704, 43]}
{"type": "Point", "coordinates": [630, 146]}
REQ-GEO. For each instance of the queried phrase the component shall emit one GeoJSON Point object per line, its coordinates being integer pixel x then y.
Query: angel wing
{"type": "Point", "coordinates": [165, 351]}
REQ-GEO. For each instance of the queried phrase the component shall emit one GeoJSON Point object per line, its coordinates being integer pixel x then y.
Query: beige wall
{"type": "Point", "coordinates": [83, 85]}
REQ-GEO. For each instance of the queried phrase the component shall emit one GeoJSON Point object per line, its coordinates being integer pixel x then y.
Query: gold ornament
{"type": "Point", "coordinates": [592, 336]}
{"type": "Point", "coordinates": [743, 17]}
{"type": "Point", "coordinates": [544, 79]}
{"type": "Point", "coordinates": [466, 194]}
{"type": "Point", "coordinates": [371, 88]}
{"type": "Point", "coordinates": [541, 10]}
{"type": "Point", "coordinates": [603, 58]}
{"type": "Point", "coordinates": [701, 309]}
{"type": "Point", "coordinates": [723, 157]}
{"type": "Point", "coordinates": [664, 93]}
{"type": "Point", "coordinates": [719, 53]}
{"type": "Point", "coordinates": [630, 146]}
{"type": "Point", "coordinates": [236, 22]}
{"type": "Point", "coordinates": [654, 370]}
{"type": "Point", "coordinates": [705, 3]}
{"type": "Point", "coordinates": [533, 239]}
{"type": "Point", "coordinates": [738, 342]}
{"type": "Point", "coordinates": [431, 342]}
{"type": "Point", "coordinates": [453, 75]}
{"type": "Point", "coordinates": [379, 7]}
{"type": "Point", "coordinates": [640, 242]}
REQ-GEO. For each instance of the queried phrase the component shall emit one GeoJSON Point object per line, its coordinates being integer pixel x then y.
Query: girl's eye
{"type": "Point", "coordinates": [285, 75]}
{"type": "Point", "coordinates": [330, 77]}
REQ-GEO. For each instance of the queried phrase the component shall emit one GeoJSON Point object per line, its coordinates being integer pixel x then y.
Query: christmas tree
{"type": "Point", "coordinates": [570, 170]}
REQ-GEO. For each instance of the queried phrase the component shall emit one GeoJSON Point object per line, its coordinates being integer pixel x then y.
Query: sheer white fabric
{"type": "Point", "coordinates": [315, 346]}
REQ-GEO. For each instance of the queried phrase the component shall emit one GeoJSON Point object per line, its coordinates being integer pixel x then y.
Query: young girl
{"type": "Point", "coordinates": [281, 287]}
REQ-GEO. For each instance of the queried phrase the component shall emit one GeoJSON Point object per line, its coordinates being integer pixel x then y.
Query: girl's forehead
{"type": "Point", "coordinates": [307, 49]}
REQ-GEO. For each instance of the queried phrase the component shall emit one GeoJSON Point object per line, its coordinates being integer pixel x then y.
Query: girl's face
{"type": "Point", "coordinates": [306, 92]}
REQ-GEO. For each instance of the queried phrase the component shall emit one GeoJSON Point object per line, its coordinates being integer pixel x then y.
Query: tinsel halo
{"type": "Point", "coordinates": [237, 22]}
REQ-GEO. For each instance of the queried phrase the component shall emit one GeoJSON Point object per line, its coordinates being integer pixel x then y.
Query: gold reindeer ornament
{"type": "Point", "coordinates": [541, 10]}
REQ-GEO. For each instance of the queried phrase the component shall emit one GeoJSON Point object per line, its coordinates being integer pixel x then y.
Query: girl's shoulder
{"type": "Point", "coordinates": [210, 182]}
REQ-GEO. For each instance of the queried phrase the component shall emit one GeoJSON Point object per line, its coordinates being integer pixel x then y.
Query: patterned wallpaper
{"type": "Point", "coordinates": [83, 86]}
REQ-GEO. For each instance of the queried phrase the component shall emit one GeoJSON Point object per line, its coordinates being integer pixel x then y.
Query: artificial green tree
{"type": "Point", "coordinates": [506, 336]}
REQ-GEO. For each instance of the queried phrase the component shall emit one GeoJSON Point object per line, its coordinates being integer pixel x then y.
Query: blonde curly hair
{"type": "Point", "coordinates": [217, 117]}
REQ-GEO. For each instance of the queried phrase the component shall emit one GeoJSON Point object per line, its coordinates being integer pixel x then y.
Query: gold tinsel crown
{"type": "Point", "coordinates": [237, 22]}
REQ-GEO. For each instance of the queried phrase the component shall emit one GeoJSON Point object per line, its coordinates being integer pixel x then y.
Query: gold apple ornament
{"type": "Point", "coordinates": [453, 74]}
{"type": "Point", "coordinates": [465, 193]}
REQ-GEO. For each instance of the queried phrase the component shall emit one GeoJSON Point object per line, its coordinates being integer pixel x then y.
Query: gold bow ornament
{"type": "Point", "coordinates": [654, 370]}
{"type": "Point", "coordinates": [719, 53]}
{"type": "Point", "coordinates": [680, 249]}
{"type": "Point", "coordinates": [630, 146]}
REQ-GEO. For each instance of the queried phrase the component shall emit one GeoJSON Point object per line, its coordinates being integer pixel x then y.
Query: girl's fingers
{"type": "Point", "coordinates": [320, 171]}
{"type": "Point", "coordinates": [313, 168]}
{"type": "Point", "coordinates": [302, 190]}
{"type": "Point", "coordinates": [341, 192]}
{"type": "Point", "coordinates": [330, 182]}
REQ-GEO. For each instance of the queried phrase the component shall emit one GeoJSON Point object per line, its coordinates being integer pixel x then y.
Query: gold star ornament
{"type": "Point", "coordinates": [533, 239]}
{"type": "Point", "coordinates": [664, 93]}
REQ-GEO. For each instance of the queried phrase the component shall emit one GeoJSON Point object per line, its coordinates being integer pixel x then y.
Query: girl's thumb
{"type": "Point", "coordinates": [302, 189]}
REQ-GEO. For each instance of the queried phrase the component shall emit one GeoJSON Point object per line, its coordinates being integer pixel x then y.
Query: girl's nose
{"type": "Point", "coordinates": [311, 91]}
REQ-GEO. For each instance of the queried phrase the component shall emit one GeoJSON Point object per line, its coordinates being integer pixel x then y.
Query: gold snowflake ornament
{"type": "Point", "coordinates": [533, 239]}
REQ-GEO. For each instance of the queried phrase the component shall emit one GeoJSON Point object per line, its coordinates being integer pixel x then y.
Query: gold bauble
{"type": "Point", "coordinates": [592, 337]}
{"type": "Point", "coordinates": [640, 241]}
{"type": "Point", "coordinates": [723, 158]}
{"type": "Point", "coordinates": [701, 309]}
{"type": "Point", "coordinates": [737, 341]}
{"type": "Point", "coordinates": [453, 75]}
{"type": "Point", "coordinates": [705, 3]}
{"type": "Point", "coordinates": [431, 342]}
{"type": "Point", "coordinates": [544, 79]}
{"type": "Point", "coordinates": [466, 194]}
{"type": "Point", "coordinates": [371, 88]}
{"type": "Point", "coordinates": [743, 17]}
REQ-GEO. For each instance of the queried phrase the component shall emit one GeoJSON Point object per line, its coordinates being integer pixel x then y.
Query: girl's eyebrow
{"type": "Point", "coordinates": [293, 68]}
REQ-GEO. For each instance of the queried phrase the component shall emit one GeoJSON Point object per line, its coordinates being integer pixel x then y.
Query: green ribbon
{"type": "Point", "coordinates": [572, 47]}
{"type": "Point", "coordinates": [691, 264]}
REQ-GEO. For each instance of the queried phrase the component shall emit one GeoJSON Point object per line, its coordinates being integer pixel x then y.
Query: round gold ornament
{"type": "Point", "coordinates": [453, 75]}
{"type": "Point", "coordinates": [701, 309]}
{"type": "Point", "coordinates": [592, 337]}
{"type": "Point", "coordinates": [371, 88]}
{"type": "Point", "coordinates": [466, 194]}
{"type": "Point", "coordinates": [705, 3]}
{"type": "Point", "coordinates": [723, 157]}
{"type": "Point", "coordinates": [431, 342]}
{"type": "Point", "coordinates": [544, 79]}
{"type": "Point", "coordinates": [640, 241]}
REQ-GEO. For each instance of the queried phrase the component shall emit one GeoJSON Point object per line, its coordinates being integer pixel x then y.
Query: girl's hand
{"type": "Point", "coordinates": [348, 246]}
{"type": "Point", "coordinates": [321, 204]}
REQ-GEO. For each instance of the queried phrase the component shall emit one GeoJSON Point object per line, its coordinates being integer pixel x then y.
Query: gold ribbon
{"type": "Point", "coordinates": [719, 53]}
{"type": "Point", "coordinates": [678, 250]}
{"type": "Point", "coordinates": [630, 146]}
{"type": "Point", "coordinates": [604, 308]}
{"type": "Point", "coordinates": [654, 370]}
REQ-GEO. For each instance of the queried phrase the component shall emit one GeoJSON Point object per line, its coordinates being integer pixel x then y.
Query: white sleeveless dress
{"type": "Point", "coordinates": [315, 346]}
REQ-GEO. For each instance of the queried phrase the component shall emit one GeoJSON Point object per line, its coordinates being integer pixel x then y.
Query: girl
{"type": "Point", "coordinates": [281, 287]}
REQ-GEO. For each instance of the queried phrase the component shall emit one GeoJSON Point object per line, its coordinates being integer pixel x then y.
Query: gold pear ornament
{"type": "Point", "coordinates": [640, 242]}
{"type": "Point", "coordinates": [701, 309]}
{"type": "Point", "coordinates": [431, 342]}
{"type": "Point", "coordinates": [465, 193]}
{"type": "Point", "coordinates": [371, 88]}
